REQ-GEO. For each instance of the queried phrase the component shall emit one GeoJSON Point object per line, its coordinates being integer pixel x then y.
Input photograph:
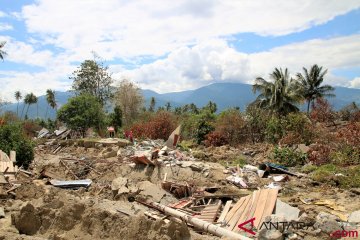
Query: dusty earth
{"type": "Point", "coordinates": [38, 210]}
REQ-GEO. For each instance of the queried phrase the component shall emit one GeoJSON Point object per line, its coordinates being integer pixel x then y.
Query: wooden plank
{"type": "Point", "coordinates": [270, 204]}
{"type": "Point", "coordinates": [225, 211]}
{"type": "Point", "coordinates": [234, 209]}
{"type": "Point", "coordinates": [249, 212]}
{"type": "Point", "coordinates": [260, 206]}
{"type": "Point", "coordinates": [238, 213]}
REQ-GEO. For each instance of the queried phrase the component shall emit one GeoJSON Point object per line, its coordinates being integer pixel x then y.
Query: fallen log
{"type": "Point", "coordinates": [198, 223]}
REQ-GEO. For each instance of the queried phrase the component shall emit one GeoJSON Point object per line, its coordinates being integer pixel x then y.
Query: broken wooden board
{"type": "Point", "coordinates": [9, 167]}
{"type": "Point", "coordinates": [209, 213]}
{"type": "Point", "coordinates": [225, 211]}
{"type": "Point", "coordinates": [258, 205]}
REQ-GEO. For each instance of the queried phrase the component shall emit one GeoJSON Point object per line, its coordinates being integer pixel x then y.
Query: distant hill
{"type": "Point", "coordinates": [225, 95]}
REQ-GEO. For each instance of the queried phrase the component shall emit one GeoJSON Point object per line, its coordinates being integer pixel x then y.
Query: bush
{"type": "Point", "coordinates": [159, 126]}
{"type": "Point", "coordinates": [346, 155]}
{"type": "Point", "coordinates": [319, 154]}
{"type": "Point", "coordinates": [215, 139]}
{"type": "Point", "coordinates": [350, 135]}
{"type": "Point", "coordinates": [13, 138]}
{"type": "Point", "coordinates": [231, 126]}
{"type": "Point", "coordinates": [322, 111]}
{"type": "Point", "coordinates": [197, 126]}
{"type": "Point", "coordinates": [289, 157]}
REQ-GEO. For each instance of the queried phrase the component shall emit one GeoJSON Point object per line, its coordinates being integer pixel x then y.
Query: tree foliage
{"type": "Point", "coordinates": [82, 112]}
{"type": "Point", "coordinates": [2, 52]}
{"type": "Point", "coordinates": [12, 138]}
{"type": "Point", "coordinates": [128, 96]}
{"type": "Point", "coordinates": [279, 95]}
{"type": "Point", "coordinates": [92, 77]}
{"type": "Point", "coordinates": [310, 85]}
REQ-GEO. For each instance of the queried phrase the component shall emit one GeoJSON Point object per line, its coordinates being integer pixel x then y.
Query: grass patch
{"type": "Point", "coordinates": [308, 168]}
{"type": "Point", "coordinates": [241, 161]}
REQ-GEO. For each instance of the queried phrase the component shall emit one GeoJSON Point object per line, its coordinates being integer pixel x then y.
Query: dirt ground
{"type": "Point", "coordinates": [38, 210]}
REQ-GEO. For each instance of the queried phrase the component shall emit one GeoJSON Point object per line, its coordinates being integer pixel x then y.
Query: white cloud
{"type": "Point", "coordinates": [215, 60]}
{"type": "Point", "coordinates": [355, 83]}
{"type": "Point", "coordinates": [2, 14]}
{"type": "Point", "coordinates": [116, 28]}
{"type": "Point", "coordinates": [5, 27]}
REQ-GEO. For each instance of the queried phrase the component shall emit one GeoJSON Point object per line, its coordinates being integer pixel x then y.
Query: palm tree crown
{"type": "Point", "coordinates": [310, 83]}
{"type": "Point", "coordinates": [18, 96]}
{"type": "Point", "coordinates": [2, 53]}
{"type": "Point", "coordinates": [280, 95]}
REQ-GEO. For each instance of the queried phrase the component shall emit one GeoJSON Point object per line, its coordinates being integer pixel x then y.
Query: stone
{"type": "Point", "coordinates": [265, 234]}
{"type": "Point", "coordinates": [354, 217]}
{"type": "Point", "coordinates": [287, 211]}
{"type": "Point", "coordinates": [303, 148]}
{"type": "Point", "coordinates": [110, 154]}
{"type": "Point", "coordinates": [327, 223]}
{"type": "Point", "coordinates": [119, 185]}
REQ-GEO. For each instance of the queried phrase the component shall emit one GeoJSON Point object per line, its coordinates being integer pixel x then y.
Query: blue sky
{"type": "Point", "coordinates": [176, 45]}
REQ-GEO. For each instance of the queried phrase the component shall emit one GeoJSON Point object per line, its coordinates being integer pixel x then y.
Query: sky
{"type": "Point", "coordinates": [169, 46]}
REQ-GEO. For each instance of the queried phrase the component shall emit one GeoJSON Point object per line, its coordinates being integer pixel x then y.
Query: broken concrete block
{"type": "Point", "coordinates": [286, 211]}
{"type": "Point", "coordinates": [354, 217]}
{"type": "Point", "coordinates": [151, 190]}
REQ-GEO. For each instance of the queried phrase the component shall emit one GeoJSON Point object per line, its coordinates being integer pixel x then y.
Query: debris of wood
{"type": "Point", "coordinates": [196, 222]}
{"type": "Point", "coordinates": [178, 190]}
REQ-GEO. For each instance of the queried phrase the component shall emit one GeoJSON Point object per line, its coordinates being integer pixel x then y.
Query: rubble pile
{"type": "Point", "coordinates": [112, 188]}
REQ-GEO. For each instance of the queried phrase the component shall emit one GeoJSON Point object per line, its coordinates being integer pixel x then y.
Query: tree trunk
{"type": "Point", "coordinates": [308, 106]}
{"type": "Point", "coordinates": [17, 109]}
{"type": "Point", "coordinates": [27, 110]}
{"type": "Point", "coordinates": [46, 113]}
{"type": "Point", "coordinates": [22, 111]}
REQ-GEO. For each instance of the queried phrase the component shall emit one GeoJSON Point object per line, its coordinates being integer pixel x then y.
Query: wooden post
{"type": "Point", "coordinates": [13, 156]}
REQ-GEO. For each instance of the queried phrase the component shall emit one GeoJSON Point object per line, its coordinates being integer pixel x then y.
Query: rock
{"type": "Point", "coordinates": [27, 221]}
{"type": "Point", "coordinates": [327, 223]}
{"type": "Point", "coordinates": [286, 211]}
{"type": "Point", "coordinates": [354, 217]}
{"type": "Point", "coordinates": [270, 235]}
{"type": "Point", "coordinates": [303, 148]}
{"type": "Point", "coordinates": [119, 185]}
{"type": "Point", "coordinates": [110, 154]}
{"type": "Point", "coordinates": [151, 190]}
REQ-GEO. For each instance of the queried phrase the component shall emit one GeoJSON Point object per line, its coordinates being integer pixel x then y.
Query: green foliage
{"type": "Point", "coordinates": [274, 130]}
{"type": "Point", "coordinates": [12, 138]}
{"type": "Point", "coordinates": [2, 52]}
{"type": "Point", "coordinates": [116, 118]}
{"type": "Point", "coordinates": [204, 125]}
{"type": "Point", "coordinates": [256, 121]}
{"type": "Point", "coordinates": [346, 155]}
{"type": "Point", "coordinates": [309, 168]}
{"type": "Point", "coordinates": [92, 77]}
{"type": "Point", "coordinates": [289, 157]}
{"type": "Point", "coordinates": [82, 112]}
{"type": "Point", "coordinates": [281, 95]}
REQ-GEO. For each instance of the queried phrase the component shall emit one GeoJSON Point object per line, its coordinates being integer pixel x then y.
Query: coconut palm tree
{"type": "Point", "coordinates": [50, 98]}
{"type": "Point", "coordinates": [310, 83]}
{"type": "Point", "coordinates": [2, 53]}
{"type": "Point", "coordinates": [29, 99]}
{"type": "Point", "coordinates": [279, 95]}
{"type": "Point", "coordinates": [18, 96]}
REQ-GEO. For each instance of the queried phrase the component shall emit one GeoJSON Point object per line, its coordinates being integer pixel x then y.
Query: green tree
{"type": "Point", "coordinates": [50, 99]}
{"type": "Point", "coordinates": [279, 95]}
{"type": "Point", "coordinates": [92, 77]}
{"type": "Point", "coordinates": [211, 106]}
{"type": "Point", "coordinates": [2, 52]}
{"type": "Point", "coordinates": [18, 97]}
{"type": "Point", "coordinates": [82, 112]}
{"type": "Point", "coordinates": [29, 99]}
{"type": "Point", "coordinates": [168, 106]}
{"type": "Point", "coordinates": [116, 118]}
{"type": "Point", "coordinates": [12, 138]}
{"type": "Point", "coordinates": [310, 83]}
{"type": "Point", "coordinates": [152, 104]}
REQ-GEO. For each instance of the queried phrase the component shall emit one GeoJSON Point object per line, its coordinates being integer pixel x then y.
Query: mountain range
{"type": "Point", "coordinates": [225, 95]}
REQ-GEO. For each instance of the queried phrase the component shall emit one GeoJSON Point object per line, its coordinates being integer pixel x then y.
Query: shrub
{"type": "Point", "coordinates": [215, 139]}
{"type": "Point", "coordinates": [350, 135]}
{"type": "Point", "coordinates": [346, 155]}
{"type": "Point", "coordinates": [289, 157]}
{"type": "Point", "coordinates": [197, 126]}
{"type": "Point", "coordinates": [13, 138]}
{"type": "Point", "coordinates": [159, 126]}
{"type": "Point", "coordinates": [274, 130]}
{"type": "Point", "coordinates": [231, 126]}
{"type": "Point", "coordinates": [256, 119]}
{"type": "Point", "coordinates": [319, 154]}
{"type": "Point", "coordinates": [322, 111]}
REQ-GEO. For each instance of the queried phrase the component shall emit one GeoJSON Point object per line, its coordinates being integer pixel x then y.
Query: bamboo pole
{"type": "Point", "coordinates": [198, 223]}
